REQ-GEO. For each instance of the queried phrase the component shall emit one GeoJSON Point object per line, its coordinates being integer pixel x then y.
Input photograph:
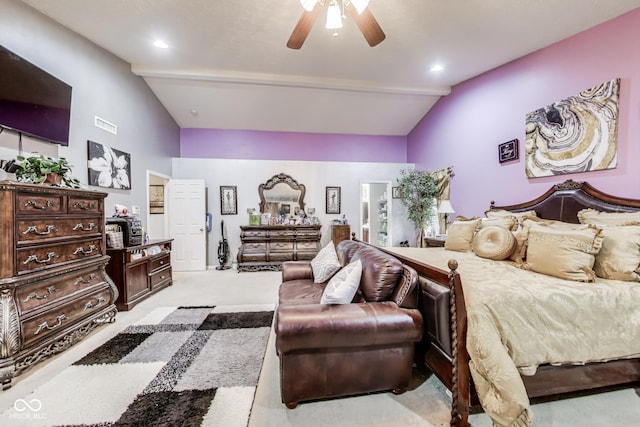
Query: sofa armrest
{"type": "Point", "coordinates": [296, 270]}
{"type": "Point", "coordinates": [321, 326]}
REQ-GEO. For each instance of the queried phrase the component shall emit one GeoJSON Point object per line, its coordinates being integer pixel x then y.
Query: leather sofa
{"type": "Point", "coordinates": [331, 350]}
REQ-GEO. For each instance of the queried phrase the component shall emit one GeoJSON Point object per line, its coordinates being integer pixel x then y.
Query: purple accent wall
{"type": "Point", "coordinates": [464, 129]}
{"type": "Point", "coordinates": [260, 145]}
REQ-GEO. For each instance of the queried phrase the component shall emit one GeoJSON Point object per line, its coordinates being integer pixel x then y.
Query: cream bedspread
{"type": "Point", "coordinates": [519, 319]}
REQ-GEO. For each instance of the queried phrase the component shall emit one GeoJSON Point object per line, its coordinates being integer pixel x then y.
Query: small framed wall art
{"type": "Point", "coordinates": [156, 199]}
{"type": "Point", "coordinates": [228, 200]}
{"type": "Point", "coordinates": [333, 200]}
{"type": "Point", "coordinates": [395, 192]}
{"type": "Point", "coordinates": [508, 151]}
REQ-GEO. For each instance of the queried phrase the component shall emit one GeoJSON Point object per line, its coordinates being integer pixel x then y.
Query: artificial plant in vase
{"type": "Point", "coordinates": [43, 169]}
{"type": "Point", "coordinates": [418, 191]}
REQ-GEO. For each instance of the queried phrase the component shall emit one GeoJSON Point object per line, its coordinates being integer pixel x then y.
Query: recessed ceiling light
{"type": "Point", "coordinates": [437, 68]}
{"type": "Point", "coordinates": [160, 44]}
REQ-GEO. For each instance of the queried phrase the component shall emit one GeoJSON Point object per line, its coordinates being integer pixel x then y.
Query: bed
{"type": "Point", "coordinates": [452, 305]}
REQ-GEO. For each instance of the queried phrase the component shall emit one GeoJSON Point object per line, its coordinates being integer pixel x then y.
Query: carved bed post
{"type": "Point", "coordinates": [460, 390]}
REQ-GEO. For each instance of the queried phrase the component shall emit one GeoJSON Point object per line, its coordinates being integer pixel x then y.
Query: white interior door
{"type": "Point", "coordinates": [186, 224]}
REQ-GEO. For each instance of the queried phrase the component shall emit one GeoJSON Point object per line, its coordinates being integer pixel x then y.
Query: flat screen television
{"type": "Point", "coordinates": [32, 101]}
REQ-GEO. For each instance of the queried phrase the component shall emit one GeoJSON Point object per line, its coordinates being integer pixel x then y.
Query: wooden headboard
{"type": "Point", "coordinates": [563, 201]}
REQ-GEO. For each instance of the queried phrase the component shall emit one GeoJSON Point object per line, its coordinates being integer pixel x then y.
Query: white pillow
{"type": "Point", "coordinates": [343, 286]}
{"type": "Point", "coordinates": [325, 264]}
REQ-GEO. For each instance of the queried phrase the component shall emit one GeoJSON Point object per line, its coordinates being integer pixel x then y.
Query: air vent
{"type": "Point", "coordinates": [105, 125]}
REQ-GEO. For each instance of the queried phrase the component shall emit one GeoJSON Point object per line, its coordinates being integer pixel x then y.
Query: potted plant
{"type": "Point", "coordinates": [418, 191]}
{"type": "Point", "coordinates": [43, 169]}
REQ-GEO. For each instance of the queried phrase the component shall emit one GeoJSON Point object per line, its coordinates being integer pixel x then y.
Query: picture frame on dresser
{"type": "Point", "coordinates": [333, 200]}
{"type": "Point", "coordinates": [228, 200]}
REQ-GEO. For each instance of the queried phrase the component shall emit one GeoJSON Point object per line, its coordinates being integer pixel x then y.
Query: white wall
{"type": "Point", "coordinates": [247, 175]}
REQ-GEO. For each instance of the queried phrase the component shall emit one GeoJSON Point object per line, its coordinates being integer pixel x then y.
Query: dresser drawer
{"type": "Point", "coordinates": [29, 230]}
{"type": "Point", "coordinates": [84, 205]}
{"type": "Point", "coordinates": [307, 246]}
{"type": "Point", "coordinates": [253, 234]}
{"type": "Point", "coordinates": [37, 258]}
{"type": "Point", "coordinates": [305, 256]}
{"type": "Point", "coordinates": [308, 234]}
{"type": "Point", "coordinates": [36, 295]}
{"type": "Point", "coordinates": [57, 319]}
{"type": "Point", "coordinates": [39, 204]}
{"type": "Point", "coordinates": [281, 247]}
{"type": "Point", "coordinates": [252, 247]}
{"type": "Point", "coordinates": [160, 262]}
{"type": "Point", "coordinates": [159, 277]}
{"type": "Point", "coordinates": [281, 234]}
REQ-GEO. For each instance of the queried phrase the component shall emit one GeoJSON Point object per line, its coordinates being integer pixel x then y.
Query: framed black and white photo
{"type": "Point", "coordinates": [508, 151]}
{"type": "Point", "coordinates": [228, 200]}
{"type": "Point", "coordinates": [333, 200]}
{"type": "Point", "coordinates": [395, 192]}
{"type": "Point", "coordinates": [108, 167]}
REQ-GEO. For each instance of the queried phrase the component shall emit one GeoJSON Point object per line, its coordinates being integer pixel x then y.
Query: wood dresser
{"type": "Point", "coordinates": [53, 286]}
{"type": "Point", "coordinates": [340, 232]}
{"type": "Point", "coordinates": [266, 247]}
{"type": "Point", "coordinates": [140, 271]}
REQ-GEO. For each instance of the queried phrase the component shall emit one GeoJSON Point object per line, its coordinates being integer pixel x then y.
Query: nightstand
{"type": "Point", "coordinates": [434, 242]}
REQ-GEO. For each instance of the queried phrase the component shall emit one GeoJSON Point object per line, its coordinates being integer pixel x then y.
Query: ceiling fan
{"type": "Point", "coordinates": [358, 10]}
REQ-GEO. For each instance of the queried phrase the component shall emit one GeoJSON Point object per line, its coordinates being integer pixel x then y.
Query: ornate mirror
{"type": "Point", "coordinates": [281, 194]}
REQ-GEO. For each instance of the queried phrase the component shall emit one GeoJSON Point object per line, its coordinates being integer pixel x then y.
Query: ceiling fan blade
{"type": "Point", "coordinates": [368, 25]}
{"type": "Point", "coordinates": [303, 27]}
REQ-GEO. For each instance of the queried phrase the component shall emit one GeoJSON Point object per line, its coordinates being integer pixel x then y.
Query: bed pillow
{"type": "Point", "coordinates": [619, 257]}
{"type": "Point", "coordinates": [596, 217]}
{"type": "Point", "coordinates": [518, 253]}
{"type": "Point", "coordinates": [509, 222]}
{"type": "Point", "coordinates": [494, 242]}
{"type": "Point", "coordinates": [520, 216]}
{"type": "Point", "coordinates": [325, 264]}
{"type": "Point", "coordinates": [564, 253]}
{"type": "Point", "coordinates": [460, 234]}
{"type": "Point", "coordinates": [343, 286]}
{"type": "Point", "coordinates": [554, 223]}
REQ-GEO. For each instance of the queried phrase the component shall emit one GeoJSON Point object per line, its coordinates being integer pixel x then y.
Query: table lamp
{"type": "Point", "coordinates": [446, 208]}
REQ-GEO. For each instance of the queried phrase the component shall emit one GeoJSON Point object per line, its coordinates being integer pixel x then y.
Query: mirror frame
{"type": "Point", "coordinates": [280, 179]}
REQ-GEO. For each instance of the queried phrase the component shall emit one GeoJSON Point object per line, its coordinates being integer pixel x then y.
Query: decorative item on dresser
{"type": "Point", "coordinates": [53, 286]}
{"type": "Point", "coordinates": [140, 271]}
{"type": "Point", "coordinates": [266, 247]}
{"type": "Point", "coordinates": [340, 232]}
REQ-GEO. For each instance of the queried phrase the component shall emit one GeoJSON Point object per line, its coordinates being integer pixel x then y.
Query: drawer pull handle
{"type": "Point", "coordinates": [34, 295]}
{"type": "Point", "coordinates": [89, 304]}
{"type": "Point", "coordinates": [45, 325]}
{"type": "Point", "coordinates": [81, 226]}
{"type": "Point", "coordinates": [161, 262]}
{"type": "Point", "coordinates": [34, 229]}
{"type": "Point", "coordinates": [34, 258]}
{"type": "Point", "coordinates": [34, 204]}
{"type": "Point", "coordinates": [82, 280]}
{"type": "Point", "coordinates": [83, 207]}
{"type": "Point", "coordinates": [82, 251]}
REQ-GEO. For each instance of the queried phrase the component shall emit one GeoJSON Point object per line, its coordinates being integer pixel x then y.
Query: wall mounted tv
{"type": "Point", "coordinates": [32, 101]}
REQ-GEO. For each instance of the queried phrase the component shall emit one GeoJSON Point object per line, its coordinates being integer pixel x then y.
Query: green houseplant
{"type": "Point", "coordinates": [418, 191]}
{"type": "Point", "coordinates": [44, 169]}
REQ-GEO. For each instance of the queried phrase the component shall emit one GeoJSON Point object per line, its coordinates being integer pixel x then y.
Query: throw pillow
{"type": "Point", "coordinates": [520, 216]}
{"type": "Point", "coordinates": [325, 264]}
{"type": "Point", "coordinates": [494, 242]}
{"type": "Point", "coordinates": [596, 217]}
{"type": "Point", "coordinates": [619, 257]}
{"type": "Point", "coordinates": [564, 253]}
{"type": "Point", "coordinates": [343, 286]}
{"type": "Point", "coordinates": [509, 222]}
{"type": "Point", "coordinates": [460, 234]}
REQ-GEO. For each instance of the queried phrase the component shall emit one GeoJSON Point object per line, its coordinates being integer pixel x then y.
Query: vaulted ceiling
{"type": "Point", "coordinates": [227, 65]}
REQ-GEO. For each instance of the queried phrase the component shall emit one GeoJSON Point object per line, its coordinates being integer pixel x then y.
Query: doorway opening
{"type": "Point", "coordinates": [375, 213]}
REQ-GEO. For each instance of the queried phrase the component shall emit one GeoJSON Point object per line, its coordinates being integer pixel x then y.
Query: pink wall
{"type": "Point", "coordinates": [464, 129]}
{"type": "Point", "coordinates": [240, 144]}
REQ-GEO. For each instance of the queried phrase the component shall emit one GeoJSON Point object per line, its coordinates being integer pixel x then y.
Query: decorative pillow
{"type": "Point", "coordinates": [509, 222]}
{"type": "Point", "coordinates": [325, 264]}
{"type": "Point", "coordinates": [564, 253]}
{"type": "Point", "coordinates": [343, 286]}
{"type": "Point", "coordinates": [460, 234]}
{"type": "Point", "coordinates": [494, 242]}
{"type": "Point", "coordinates": [520, 216]}
{"type": "Point", "coordinates": [596, 217]}
{"type": "Point", "coordinates": [554, 223]}
{"type": "Point", "coordinates": [619, 257]}
{"type": "Point", "coordinates": [521, 245]}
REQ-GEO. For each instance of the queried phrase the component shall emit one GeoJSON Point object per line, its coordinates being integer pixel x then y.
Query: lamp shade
{"type": "Point", "coordinates": [360, 5]}
{"type": "Point", "coordinates": [308, 5]}
{"type": "Point", "coordinates": [445, 207]}
{"type": "Point", "coordinates": [334, 20]}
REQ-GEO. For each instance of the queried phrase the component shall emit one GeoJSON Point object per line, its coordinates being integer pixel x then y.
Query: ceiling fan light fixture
{"type": "Point", "coordinates": [360, 5]}
{"type": "Point", "coordinates": [308, 5]}
{"type": "Point", "coordinates": [334, 16]}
